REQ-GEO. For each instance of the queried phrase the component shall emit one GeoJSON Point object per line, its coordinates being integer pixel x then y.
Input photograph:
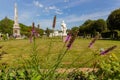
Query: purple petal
{"type": "Point", "coordinates": [70, 42]}
{"type": "Point", "coordinates": [108, 50]}
{"type": "Point", "coordinates": [93, 41]}
{"type": "Point", "coordinates": [67, 38]}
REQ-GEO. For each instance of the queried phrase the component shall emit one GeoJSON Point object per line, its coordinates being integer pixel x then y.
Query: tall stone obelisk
{"type": "Point", "coordinates": [16, 28]}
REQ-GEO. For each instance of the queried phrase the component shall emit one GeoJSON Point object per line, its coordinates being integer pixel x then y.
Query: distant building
{"type": "Point", "coordinates": [55, 33]}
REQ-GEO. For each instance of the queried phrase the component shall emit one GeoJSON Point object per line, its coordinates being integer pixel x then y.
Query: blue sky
{"type": "Point", "coordinates": [73, 12]}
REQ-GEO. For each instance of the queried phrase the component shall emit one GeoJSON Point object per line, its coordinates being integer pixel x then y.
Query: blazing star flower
{"type": "Point", "coordinates": [67, 38]}
{"type": "Point", "coordinates": [71, 40]}
{"type": "Point", "coordinates": [108, 50]}
{"type": "Point", "coordinates": [93, 41]}
{"type": "Point", "coordinates": [33, 29]}
{"type": "Point", "coordinates": [54, 21]}
{"type": "Point", "coordinates": [33, 32]}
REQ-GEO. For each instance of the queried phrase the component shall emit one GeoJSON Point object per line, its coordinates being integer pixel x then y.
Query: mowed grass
{"type": "Point", "coordinates": [19, 50]}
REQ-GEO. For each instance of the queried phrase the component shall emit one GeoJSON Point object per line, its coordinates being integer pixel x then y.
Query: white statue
{"type": "Point", "coordinates": [63, 28]}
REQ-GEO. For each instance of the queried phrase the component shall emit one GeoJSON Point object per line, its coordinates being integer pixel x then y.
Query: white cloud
{"type": "Point", "coordinates": [26, 17]}
{"type": "Point", "coordinates": [38, 4]}
{"type": "Point", "coordinates": [76, 3]}
{"type": "Point", "coordinates": [45, 23]}
{"type": "Point", "coordinates": [23, 16]}
{"type": "Point", "coordinates": [59, 12]}
{"type": "Point", "coordinates": [72, 19]}
{"type": "Point", "coordinates": [48, 23]}
{"type": "Point", "coordinates": [38, 15]}
{"type": "Point", "coordinates": [54, 9]}
{"type": "Point", "coordinates": [84, 17]}
{"type": "Point", "coordinates": [66, 0]}
{"type": "Point", "coordinates": [75, 20]}
{"type": "Point", "coordinates": [48, 8]}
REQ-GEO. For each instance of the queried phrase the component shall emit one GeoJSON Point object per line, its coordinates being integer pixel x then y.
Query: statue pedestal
{"type": "Point", "coordinates": [64, 35]}
{"type": "Point", "coordinates": [64, 38]}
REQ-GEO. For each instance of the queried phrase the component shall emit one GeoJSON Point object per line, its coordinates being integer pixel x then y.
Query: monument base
{"type": "Point", "coordinates": [18, 38]}
{"type": "Point", "coordinates": [64, 38]}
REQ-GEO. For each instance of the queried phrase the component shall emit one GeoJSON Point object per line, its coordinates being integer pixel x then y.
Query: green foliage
{"type": "Point", "coordinates": [113, 20]}
{"type": "Point", "coordinates": [25, 30]}
{"type": "Point", "coordinates": [86, 28]}
{"type": "Point", "coordinates": [106, 34]}
{"type": "Point", "coordinates": [19, 74]}
{"type": "Point", "coordinates": [90, 27]}
{"type": "Point", "coordinates": [113, 23]}
{"type": "Point", "coordinates": [106, 70]}
{"type": "Point", "coordinates": [40, 31]}
{"type": "Point", "coordinates": [100, 25]}
{"type": "Point", "coordinates": [111, 34]}
{"type": "Point", "coordinates": [47, 32]}
{"type": "Point", "coordinates": [87, 22]}
{"type": "Point", "coordinates": [6, 26]}
{"type": "Point", "coordinates": [109, 69]}
{"type": "Point", "coordinates": [74, 29]}
{"type": "Point", "coordinates": [76, 75]}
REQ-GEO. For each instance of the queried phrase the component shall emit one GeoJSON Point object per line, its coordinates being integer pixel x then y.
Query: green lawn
{"type": "Point", "coordinates": [19, 50]}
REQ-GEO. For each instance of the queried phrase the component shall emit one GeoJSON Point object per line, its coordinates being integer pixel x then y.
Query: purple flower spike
{"type": "Point", "coordinates": [33, 29]}
{"type": "Point", "coordinates": [54, 21]}
{"type": "Point", "coordinates": [93, 41]}
{"type": "Point", "coordinates": [67, 38]}
{"type": "Point", "coordinates": [108, 50]}
{"type": "Point", "coordinates": [33, 32]}
{"type": "Point", "coordinates": [70, 42]}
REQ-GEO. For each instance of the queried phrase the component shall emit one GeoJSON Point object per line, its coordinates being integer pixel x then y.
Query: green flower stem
{"type": "Point", "coordinates": [34, 63]}
{"type": "Point", "coordinates": [59, 59]}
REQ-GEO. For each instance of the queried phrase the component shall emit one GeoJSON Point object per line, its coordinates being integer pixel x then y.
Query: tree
{"type": "Point", "coordinates": [87, 22]}
{"type": "Point", "coordinates": [25, 30]}
{"type": "Point", "coordinates": [40, 31]}
{"type": "Point", "coordinates": [47, 32]}
{"type": "Point", "coordinates": [113, 20]}
{"type": "Point", "coordinates": [75, 29]}
{"type": "Point", "coordinates": [100, 25]}
{"type": "Point", "coordinates": [87, 28]}
{"type": "Point", "coordinates": [6, 26]}
{"type": "Point", "coordinates": [91, 27]}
